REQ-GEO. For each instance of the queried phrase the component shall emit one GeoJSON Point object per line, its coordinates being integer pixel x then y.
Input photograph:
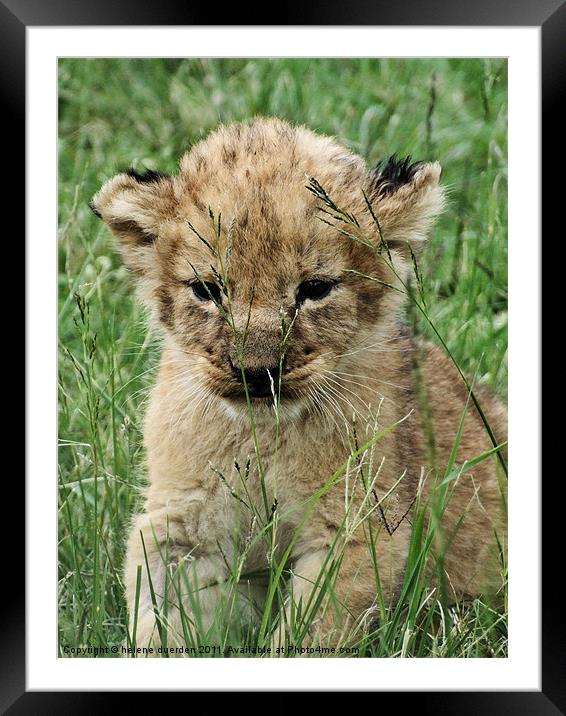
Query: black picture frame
{"type": "Point", "coordinates": [550, 16]}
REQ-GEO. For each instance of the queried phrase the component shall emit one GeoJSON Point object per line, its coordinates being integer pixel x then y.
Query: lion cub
{"type": "Point", "coordinates": [294, 418]}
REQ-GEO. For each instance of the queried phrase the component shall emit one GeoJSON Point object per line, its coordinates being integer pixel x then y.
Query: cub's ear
{"type": "Point", "coordinates": [406, 198]}
{"type": "Point", "coordinates": [134, 206]}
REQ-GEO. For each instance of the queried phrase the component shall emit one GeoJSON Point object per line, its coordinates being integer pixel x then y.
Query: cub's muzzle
{"type": "Point", "coordinates": [258, 379]}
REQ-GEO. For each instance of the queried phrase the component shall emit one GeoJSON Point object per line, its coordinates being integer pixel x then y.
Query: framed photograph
{"type": "Point", "coordinates": [282, 337]}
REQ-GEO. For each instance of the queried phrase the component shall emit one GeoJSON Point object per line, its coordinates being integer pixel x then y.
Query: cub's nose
{"type": "Point", "coordinates": [258, 379]}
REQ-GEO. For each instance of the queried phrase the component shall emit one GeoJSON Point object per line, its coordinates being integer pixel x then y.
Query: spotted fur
{"type": "Point", "coordinates": [251, 179]}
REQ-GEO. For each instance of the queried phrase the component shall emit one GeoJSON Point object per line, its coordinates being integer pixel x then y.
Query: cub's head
{"type": "Point", "coordinates": [251, 268]}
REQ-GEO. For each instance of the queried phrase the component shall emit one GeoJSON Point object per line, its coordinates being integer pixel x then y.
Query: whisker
{"type": "Point", "coordinates": [339, 396]}
{"type": "Point", "coordinates": [324, 397]}
{"type": "Point", "coordinates": [339, 374]}
{"type": "Point", "coordinates": [368, 347]}
{"type": "Point", "coordinates": [379, 380]}
{"type": "Point", "coordinates": [340, 382]}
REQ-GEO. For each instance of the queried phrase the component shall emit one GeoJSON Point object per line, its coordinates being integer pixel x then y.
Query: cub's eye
{"type": "Point", "coordinates": [315, 290]}
{"type": "Point", "coordinates": [206, 291]}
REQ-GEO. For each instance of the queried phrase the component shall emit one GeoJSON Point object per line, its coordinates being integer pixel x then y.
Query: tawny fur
{"type": "Point", "coordinates": [255, 175]}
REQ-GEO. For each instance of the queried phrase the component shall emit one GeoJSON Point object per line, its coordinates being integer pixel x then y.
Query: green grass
{"type": "Point", "coordinates": [145, 113]}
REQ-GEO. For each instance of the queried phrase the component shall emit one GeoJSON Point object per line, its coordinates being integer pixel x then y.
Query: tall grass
{"type": "Point", "coordinates": [145, 113]}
